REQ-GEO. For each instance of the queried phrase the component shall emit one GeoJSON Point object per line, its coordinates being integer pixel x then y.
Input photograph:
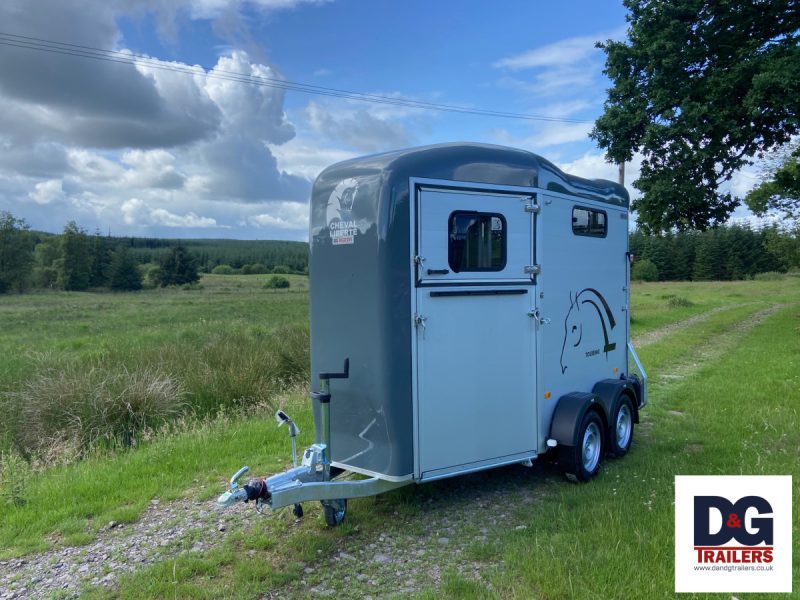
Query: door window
{"type": "Point", "coordinates": [477, 241]}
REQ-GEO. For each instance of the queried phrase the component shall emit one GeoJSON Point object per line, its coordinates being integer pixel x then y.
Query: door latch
{"type": "Point", "coordinates": [540, 320]}
{"type": "Point", "coordinates": [419, 322]}
{"type": "Point", "coordinates": [533, 269]}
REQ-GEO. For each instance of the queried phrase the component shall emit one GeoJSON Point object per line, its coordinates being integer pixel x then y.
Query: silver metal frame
{"type": "Point", "coordinates": [296, 491]}
{"type": "Point", "coordinates": [639, 366]}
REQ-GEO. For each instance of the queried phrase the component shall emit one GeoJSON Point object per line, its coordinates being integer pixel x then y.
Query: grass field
{"type": "Point", "coordinates": [724, 400]}
{"type": "Point", "coordinates": [124, 363]}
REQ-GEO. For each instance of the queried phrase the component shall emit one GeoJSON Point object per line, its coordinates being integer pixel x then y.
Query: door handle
{"type": "Point", "coordinates": [438, 271]}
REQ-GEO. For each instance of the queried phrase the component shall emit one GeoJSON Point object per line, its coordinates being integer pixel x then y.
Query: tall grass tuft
{"type": "Point", "coordinates": [69, 406]}
{"type": "Point", "coordinates": [15, 473]}
{"type": "Point", "coordinates": [93, 407]}
{"type": "Point", "coordinates": [769, 276]}
{"type": "Point", "coordinates": [241, 368]}
{"type": "Point", "coordinates": [674, 301]}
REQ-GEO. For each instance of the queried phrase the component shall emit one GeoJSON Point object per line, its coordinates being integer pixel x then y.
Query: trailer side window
{"type": "Point", "coordinates": [477, 241]}
{"type": "Point", "coordinates": [587, 221]}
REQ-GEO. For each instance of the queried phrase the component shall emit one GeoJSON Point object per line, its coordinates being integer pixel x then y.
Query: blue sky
{"type": "Point", "coordinates": [137, 150]}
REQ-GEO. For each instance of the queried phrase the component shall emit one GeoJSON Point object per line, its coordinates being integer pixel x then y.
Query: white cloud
{"type": "Point", "coordinates": [211, 9]}
{"type": "Point", "coordinates": [542, 137]}
{"type": "Point", "coordinates": [286, 215]}
{"type": "Point", "coordinates": [173, 142]}
{"type": "Point", "coordinates": [559, 54]}
{"type": "Point", "coordinates": [134, 211]}
{"type": "Point", "coordinates": [563, 80]}
{"type": "Point", "coordinates": [744, 180]}
{"type": "Point", "coordinates": [593, 165]}
{"type": "Point", "coordinates": [138, 213]}
{"type": "Point", "coordinates": [307, 160]}
{"type": "Point", "coordinates": [359, 128]}
{"type": "Point", "coordinates": [151, 169]}
{"type": "Point", "coordinates": [93, 167]}
{"type": "Point", "coordinates": [161, 216]}
{"type": "Point", "coordinates": [142, 149]}
{"type": "Point", "coordinates": [554, 134]}
{"type": "Point", "coordinates": [46, 192]}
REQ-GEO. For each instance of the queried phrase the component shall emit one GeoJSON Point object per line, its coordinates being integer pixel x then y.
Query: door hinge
{"type": "Point", "coordinates": [418, 260]}
{"type": "Point", "coordinates": [533, 208]}
{"type": "Point", "coordinates": [533, 269]}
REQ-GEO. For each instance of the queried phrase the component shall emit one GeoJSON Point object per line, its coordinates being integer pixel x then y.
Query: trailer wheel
{"type": "Point", "coordinates": [334, 511]}
{"type": "Point", "coordinates": [581, 462]}
{"type": "Point", "coordinates": [621, 433]}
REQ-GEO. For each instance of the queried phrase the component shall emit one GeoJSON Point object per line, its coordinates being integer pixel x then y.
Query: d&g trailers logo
{"type": "Point", "coordinates": [755, 543]}
{"type": "Point", "coordinates": [729, 539]}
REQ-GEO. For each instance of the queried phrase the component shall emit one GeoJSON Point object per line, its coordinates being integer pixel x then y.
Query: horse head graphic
{"type": "Point", "coordinates": [341, 201]}
{"type": "Point", "coordinates": [586, 309]}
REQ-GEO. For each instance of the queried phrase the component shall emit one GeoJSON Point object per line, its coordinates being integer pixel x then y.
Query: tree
{"type": "Point", "coordinates": [780, 189]}
{"type": "Point", "coordinates": [16, 253]}
{"type": "Point", "coordinates": [223, 270]}
{"type": "Point", "coordinates": [178, 267]}
{"type": "Point", "coordinates": [47, 261]}
{"type": "Point", "coordinates": [124, 274]}
{"type": "Point", "coordinates": [709, 258]}
{"type": "Point", "coordinates": [74, 267]}
{"type": "Point", "coordinates": [644, 270]}
{"type": "Point", "coordinates": [99, 260]}
{"type": "Point", "coordinates": [699, 88]}
{"type": "Point", "coordinates": [277, 282]}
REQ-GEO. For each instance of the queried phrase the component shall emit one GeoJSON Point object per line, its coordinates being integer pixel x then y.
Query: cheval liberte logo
{"type": "Point", "coordinates": [733, 533]}
{"type": "Point", "coordinates": [341, 223]}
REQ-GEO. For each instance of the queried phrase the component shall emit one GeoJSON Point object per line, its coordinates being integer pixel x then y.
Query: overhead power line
{"type": "Point", "coordinates": [128, 58]}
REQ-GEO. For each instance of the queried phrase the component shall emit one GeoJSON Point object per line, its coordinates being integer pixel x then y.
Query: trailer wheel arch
{"type": "Point", "coordinates": [611, 390]}
{"type": "Point", "coordinates": [581, 461]}
{"type": "Point", "coordinates": [569, 413]}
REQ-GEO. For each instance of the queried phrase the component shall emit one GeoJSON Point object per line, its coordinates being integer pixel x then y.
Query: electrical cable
{"type": "Point", "coordinates": [128, 58]}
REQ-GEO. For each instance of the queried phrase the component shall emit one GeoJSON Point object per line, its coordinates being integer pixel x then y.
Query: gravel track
{"type": "Point", "coordinates": [163, 531]}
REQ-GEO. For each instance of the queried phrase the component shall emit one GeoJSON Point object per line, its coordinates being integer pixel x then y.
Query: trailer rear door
{"type": "Point", "coordinates": [475, 338]}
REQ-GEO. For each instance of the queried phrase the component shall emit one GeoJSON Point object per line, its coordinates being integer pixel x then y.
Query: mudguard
{"type": "Point", "coordinates": [610, 390]}
{"type": "Point", "coordinates": [569, 413]}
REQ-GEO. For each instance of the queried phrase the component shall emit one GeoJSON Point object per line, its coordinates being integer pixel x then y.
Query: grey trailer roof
{"type": "Point", "coordinates": [480, 163]}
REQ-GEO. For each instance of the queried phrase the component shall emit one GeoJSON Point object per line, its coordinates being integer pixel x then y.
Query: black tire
{"type": "Point", "coordinates": [582, 461]}
{"type": "Point", "coordinates": [620, 428]}
{"type": "Point", "coordinates": [334, 511]}
{"type": "Point", "coordinates": [297, 511]}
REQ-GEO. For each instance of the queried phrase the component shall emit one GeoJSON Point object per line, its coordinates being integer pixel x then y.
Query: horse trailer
{"type": "Point", "coordinates": [477, 301]}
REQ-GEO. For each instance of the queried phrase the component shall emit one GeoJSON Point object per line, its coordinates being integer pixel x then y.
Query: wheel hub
{"type": "Point", "coordinates": [623, 426]}
{"type": "Point", "coordinates": [591, 447]}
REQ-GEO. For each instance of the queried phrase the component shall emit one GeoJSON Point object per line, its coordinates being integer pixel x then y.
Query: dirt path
{"type": "Point", "coordinates": [714, 347]}
{"type": "Point", "coordinates": [651, 337]}
{"type": "Point", "coordinates": [453, 529]}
